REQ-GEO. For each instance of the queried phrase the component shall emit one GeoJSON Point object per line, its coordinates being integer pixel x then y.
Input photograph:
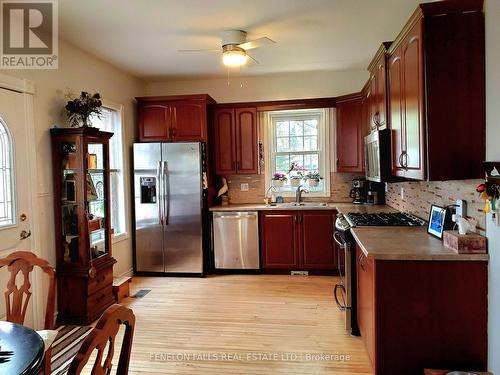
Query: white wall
{"type": "Point", "coordinates": [492, 10]}
{"type": "Point", "coordinates": [77, 71]}
{"type": "Point", "coordinates": [271, 87]}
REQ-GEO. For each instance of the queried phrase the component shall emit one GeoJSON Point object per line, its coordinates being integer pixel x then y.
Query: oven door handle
{"type": "Point", "coordinates": [338, 240]}
{"type": "Point", "coordinates": [341, 306]}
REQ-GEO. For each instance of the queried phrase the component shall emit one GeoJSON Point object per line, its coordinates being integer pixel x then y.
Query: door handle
{"type": "Point", "coordinates": [405, 159]}
{"type": "Point", "coordinates": [159, 191]}
{"type": "Point", "coordinates": [341, 306]}
{"type": "Point", "coordinates": [23, 235]}
{"type": "Point", "coordinates": [337, 238]}
{"type": "Point", "coordinates": [362, 261]}
{"type": "Point", "coordinates": [166, 193]}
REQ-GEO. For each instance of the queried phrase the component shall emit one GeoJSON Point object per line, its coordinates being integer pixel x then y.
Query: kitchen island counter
{"type": "Point", "coordinates": [406, 243]}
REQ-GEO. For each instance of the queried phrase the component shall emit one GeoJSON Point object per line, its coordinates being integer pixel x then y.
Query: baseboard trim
{"type": "Point", "coordinates": [128, 273]}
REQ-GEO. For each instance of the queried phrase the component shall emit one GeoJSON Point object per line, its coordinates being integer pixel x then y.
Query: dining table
{"type": "Point", "coordinates": [21, 350]}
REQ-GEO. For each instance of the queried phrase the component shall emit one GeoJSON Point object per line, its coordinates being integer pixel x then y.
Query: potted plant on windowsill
{"type": "Point", "coordinates": [279, 179]}
{"type": "Point", "coordinates": [296, 173]}
{"type": "Point", "coordinates": [313, 178]}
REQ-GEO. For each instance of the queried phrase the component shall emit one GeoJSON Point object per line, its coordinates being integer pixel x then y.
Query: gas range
{"type": "Point", "coordinates": [382, 219]}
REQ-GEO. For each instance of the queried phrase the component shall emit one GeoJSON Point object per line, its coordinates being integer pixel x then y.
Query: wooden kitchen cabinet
{"type": "Point", "coordinates": [437, 91]}
{"type": "Point", "coordinates": [279, 240]}
{"type": "Point", "coordinates": [318, 248]}
{"type": "Point", "coordinates": [377, 87]}
{"type": "Point", "coordinates": [366, 313]}
{"type": "Point", "coordinates": [418, 314]}
{"type": "Point", "coordinates": [350, 134]}
{"type": "Point", "coordinates": [173, 118]}
{"type": "Point", "coordinates": [236, 141]}
{"type": "Point", "coordinates": [298, 240]}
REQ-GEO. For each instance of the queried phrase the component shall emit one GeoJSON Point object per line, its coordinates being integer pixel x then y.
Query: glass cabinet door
{"type": "Point", "coordinates": [70, 174]}
{"type": "Point", "coordinates": [96, 199]}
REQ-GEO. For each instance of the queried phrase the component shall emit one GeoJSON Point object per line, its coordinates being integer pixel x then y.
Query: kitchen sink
{"type": "Point", "coordinates": [303, 204]}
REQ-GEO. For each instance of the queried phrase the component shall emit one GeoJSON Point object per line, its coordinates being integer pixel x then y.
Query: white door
{"type": "Point", "coordinates": [16, 213]}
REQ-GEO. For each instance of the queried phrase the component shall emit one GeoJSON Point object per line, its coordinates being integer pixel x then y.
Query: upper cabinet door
{"type": "Point", "coordinates": [396, 112]}
{"type": "Point", "coordinates": [247, 161]}
{"type": "Point", "coordinates": [350, 142]}
{"type": "Point", "coordinates": [189, 122]}
{"type": "Point", "coordinates": [154, 122]}
{"type": "Point", "coordinates": [381, 92]}
{"type": "Point", "coordinates": [412, 86]}
{"type": "Point", "coordinates": [225, 141]}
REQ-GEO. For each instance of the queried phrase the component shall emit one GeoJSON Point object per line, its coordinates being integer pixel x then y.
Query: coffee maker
{"type": "Point", "coordinates": [358, 191]}
{"type": "Point", "coordinates": [375, 193]}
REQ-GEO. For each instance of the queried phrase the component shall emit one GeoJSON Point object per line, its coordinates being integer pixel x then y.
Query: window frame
{"type": "Point", "coordinates": [119, 110]}
{"type": "Point", "coordinates": [13, 191]}
{"type": "Point", "coordinates": [324, 156]}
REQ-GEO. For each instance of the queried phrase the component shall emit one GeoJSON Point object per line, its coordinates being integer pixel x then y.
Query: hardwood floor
{"type": "Point", "coordinates": [241, 324]}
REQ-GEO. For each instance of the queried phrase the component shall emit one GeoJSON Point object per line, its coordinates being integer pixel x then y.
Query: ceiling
{"type": "Point", "coordinates": [143, 36]}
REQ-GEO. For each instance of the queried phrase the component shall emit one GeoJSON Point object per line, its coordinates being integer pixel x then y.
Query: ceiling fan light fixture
{"type": "Point", "coordinates": [233, 57]}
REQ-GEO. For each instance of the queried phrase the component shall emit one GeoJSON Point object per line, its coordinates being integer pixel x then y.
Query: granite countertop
{"type": "Point", "coordinates": [406, 243]}
{"type": "Point", "coordinates": [383, 243]}
{"type": "Point", "coordinates": [341, 207]}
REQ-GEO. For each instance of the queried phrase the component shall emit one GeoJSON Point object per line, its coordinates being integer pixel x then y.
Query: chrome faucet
{"type": "Point", "coordinates": [298, 194]}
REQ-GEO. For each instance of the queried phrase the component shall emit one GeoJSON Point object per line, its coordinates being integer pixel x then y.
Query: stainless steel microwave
{"type": "Point", "coordinates": [378, 155]}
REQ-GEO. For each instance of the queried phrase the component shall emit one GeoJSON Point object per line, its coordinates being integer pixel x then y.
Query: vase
{"type": "Point", "coordinates": [278, 183]}
{"type": "Point", "coordinates": [295, 182]}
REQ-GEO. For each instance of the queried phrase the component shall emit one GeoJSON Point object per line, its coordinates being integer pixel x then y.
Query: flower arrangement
{"type": "Point", "coordinates": [80, 109]}
{"type": "Point", "coordinates": [279, 177]}
{"type": "Point", "coordinates": [313, 176]}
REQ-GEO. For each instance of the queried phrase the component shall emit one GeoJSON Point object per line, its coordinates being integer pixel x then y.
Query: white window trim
{"type": "Point", "coordinates": [323, 142]}
{"type": "Point", "coordinates": [13, 178]}
{"type": "Point", "coordinates": [119, 108]}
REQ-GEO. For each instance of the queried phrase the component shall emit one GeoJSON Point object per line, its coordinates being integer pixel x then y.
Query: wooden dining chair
{"type": "Point", "coordinates": [103, 334]}
{"type": "Point", "coordinates": [18, 297]}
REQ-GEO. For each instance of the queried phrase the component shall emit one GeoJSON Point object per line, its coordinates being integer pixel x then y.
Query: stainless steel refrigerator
{"type": "Point", "coordinates": [168, 195]}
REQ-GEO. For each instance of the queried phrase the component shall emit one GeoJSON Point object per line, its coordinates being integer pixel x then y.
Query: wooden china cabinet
{"type": "Point", "coordinates": [83, 230]}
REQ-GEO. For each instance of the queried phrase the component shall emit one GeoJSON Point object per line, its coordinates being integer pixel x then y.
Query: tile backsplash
{"type": "Point", "coordinates": [340, 185]}
{"type": "Point", "coordinates": [418, 197]}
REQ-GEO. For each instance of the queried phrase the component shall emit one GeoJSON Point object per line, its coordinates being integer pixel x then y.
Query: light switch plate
{"type": "Point", "coordinates": [244, 187]}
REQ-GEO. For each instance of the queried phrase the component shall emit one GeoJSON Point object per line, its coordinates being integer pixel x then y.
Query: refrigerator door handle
{"type": "Point", "coordinates": [166, 191]}
{"type": "Point", "coordinates": [159, 191]}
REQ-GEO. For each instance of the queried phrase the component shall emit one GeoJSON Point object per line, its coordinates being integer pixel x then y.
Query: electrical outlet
{"type": "Point", "coordinates": [461, 208]}
{"type": "Point", "coordinates": [386, 187]}
{"type": "Point", "coordinates": [402, 193]}
{"type": "Point", "coordinates": [244, 187]}
{"type": "Point", "coordinates": [299, 273]}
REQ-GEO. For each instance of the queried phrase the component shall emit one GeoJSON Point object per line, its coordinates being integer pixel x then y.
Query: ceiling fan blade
{"type": "Point", "coordinates": [253, 59]}
{"type": "Point", "coordinates": [261, 42]}
{"type": "Point", "coordinates": [199, 50]}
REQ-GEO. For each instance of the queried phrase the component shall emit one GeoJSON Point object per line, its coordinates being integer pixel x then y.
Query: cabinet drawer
{"type": "Point", "coordinates": [103, 278]}
{"type": "Point", "coordinates": [97, 302]}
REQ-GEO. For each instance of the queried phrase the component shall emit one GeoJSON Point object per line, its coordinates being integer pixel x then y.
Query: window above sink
{"type": "Point", "coordinates": [300, 138]}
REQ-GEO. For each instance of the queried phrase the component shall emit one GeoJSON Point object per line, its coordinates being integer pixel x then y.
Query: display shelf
{"type": "Point", "coordinates": [82, 222]}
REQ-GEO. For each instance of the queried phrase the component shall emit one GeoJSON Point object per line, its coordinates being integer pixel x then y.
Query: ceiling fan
{"type": "Point", "coordinates": [235, 47]}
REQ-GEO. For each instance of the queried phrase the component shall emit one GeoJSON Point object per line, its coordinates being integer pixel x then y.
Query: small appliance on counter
{"type": "Point", "coordinates": [358, 191]}
{"type": "Point", "coordinates": [375, 193]}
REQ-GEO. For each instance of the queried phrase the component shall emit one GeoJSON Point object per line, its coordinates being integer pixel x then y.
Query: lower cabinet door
{"type": "Point", "coordinates": [366, 311]}
{"type": "Point", "coordinates": [318, 246]}
{"type": "Point", "coordinates": [279, 240]}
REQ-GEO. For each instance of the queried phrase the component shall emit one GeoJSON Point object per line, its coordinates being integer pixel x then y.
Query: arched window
{"type": "Point", "coordinates": [6, 177]}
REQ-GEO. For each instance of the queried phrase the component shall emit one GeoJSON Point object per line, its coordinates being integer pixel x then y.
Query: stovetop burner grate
{"type": "Point", "coordinates": [395, 219]}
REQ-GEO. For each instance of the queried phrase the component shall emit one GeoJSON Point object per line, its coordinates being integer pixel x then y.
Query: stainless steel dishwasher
{"type": "Point", "coordinates": [236, 240]}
